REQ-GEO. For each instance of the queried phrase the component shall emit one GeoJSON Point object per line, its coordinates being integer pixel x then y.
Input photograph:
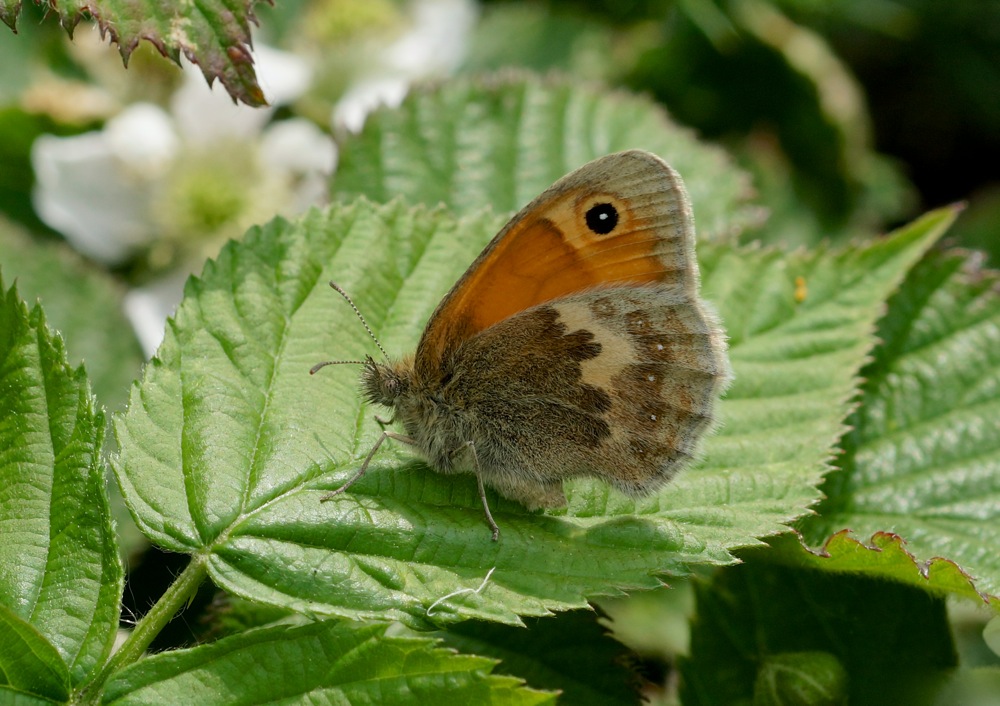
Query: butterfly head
{"type": "Point", "coordinates": [384, 383]}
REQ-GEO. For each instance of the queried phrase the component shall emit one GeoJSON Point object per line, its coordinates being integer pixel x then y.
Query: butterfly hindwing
{"type": "Point", "coordinates": [614, 383]}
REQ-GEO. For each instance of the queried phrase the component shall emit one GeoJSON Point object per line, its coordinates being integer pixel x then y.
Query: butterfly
{"type": "Point", "coordinates": [575, 345]}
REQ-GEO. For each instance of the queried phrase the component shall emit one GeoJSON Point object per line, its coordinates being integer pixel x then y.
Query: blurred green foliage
{"type": "Point", "coordinates": [854, 115]}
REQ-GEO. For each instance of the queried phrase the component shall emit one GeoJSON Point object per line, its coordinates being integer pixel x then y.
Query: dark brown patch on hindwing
{"type": "Point", "coordinates": [603, 307]}
{"type": "Point", "coordinates": [664, 385]}
{"type": "Point", "coordinates": [524, 376]}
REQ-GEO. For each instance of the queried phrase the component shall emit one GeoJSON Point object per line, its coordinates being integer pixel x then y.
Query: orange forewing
{"type": "Point", "coordinates": [547, 250]}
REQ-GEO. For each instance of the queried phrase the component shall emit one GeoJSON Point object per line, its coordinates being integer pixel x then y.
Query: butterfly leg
{"type": "Point", "coordinates": [385, 422]}
{"type": "Point", "coordinates": [471, 448]}
{"type": "Point", "coordinates": [364, 465]}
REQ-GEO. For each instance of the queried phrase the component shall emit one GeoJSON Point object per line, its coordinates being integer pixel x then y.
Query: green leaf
{"type": "Point", "coordinates": [15, 697]}
{"type": "Point", "coordinates": [813, 677]}
{"type": "Point", "coordinates": [214, 34]}
{"type": "Point", "coordinates": [923, 460]}
{"type": "Point", "coordinates": [28, 663]}
{"type": "Point", "coordinates": [531, 36]}
{"type": "Point", "coordinates": [991, 635]}
{"type": "Point", "coordinates": [83, 303]}
{"type": "Point", "coordinates": [324, 662]}
{"type": "Point", "coordinates": [783, 632]}
{"type": "Point", "coordinates": [19, 129]}
{"type": "Point", "coordinates": [228, 444]}
{"type": "Point", "coordinates": [799, 327]}
{"type": "Point", "coordinates": [886, 556]}
{"type": "Point", "coordinates": [571, 652]}
{"type": "Point", "coordinates": [501, 140]}
{"type": "Point", "coordinates": [737, 71]}
{"type": "Point", "coordinates": [59, 567]}
{"type": "Point", "coordinates": [977, 686]}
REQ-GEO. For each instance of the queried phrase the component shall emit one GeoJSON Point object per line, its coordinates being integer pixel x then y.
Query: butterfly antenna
{"type": "Point", "coordinates": [361, 318]}
{"type": "Point", "coordinates": [319, 366]}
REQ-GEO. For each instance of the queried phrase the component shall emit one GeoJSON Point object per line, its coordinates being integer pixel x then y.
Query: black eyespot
{"type": "Point", "coordinates": [602, 218]}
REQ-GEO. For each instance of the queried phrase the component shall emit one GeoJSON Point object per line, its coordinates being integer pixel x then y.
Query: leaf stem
{"type": "Point", "coordinates": [176, 597]}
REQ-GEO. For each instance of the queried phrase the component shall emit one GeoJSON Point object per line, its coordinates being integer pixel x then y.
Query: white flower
{"type": "Point", "coordinates": [205, 114]}
{"type": "Point", "coordinates": [149, 306]}
{"type": "Point", "coordinates": [434, 46]}
{"type": "Point", "coordinates": [106, 191]}
{"type": "Point", "coordinates": [87, 193]}
{"type": "Point", "coordinates": [175, 185]}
